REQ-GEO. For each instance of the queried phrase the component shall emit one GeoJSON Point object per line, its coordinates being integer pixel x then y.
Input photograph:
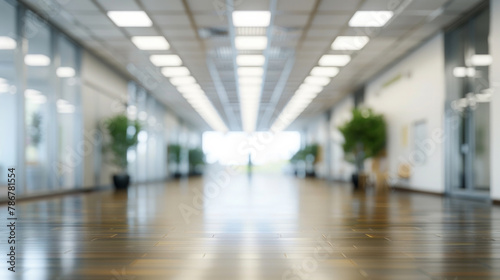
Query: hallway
{"type": "Point", "coordinates": [266, 227]}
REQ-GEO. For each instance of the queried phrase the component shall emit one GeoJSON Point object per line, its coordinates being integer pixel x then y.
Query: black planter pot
{"type": "Point", "coordinates": [121, 181]}
{"type": "Point", "coordinates": [355, 180]}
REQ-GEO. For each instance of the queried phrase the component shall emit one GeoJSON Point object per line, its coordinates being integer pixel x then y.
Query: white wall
{"type": "Point", "coordinates": [416, 94]}
{"type": "Point", "coordinates": [495, 104]}
{"type": "Point", "coordinates": [102, 90]}
{"type": "Point", "coordinates": [340, 169]}
{"type": "Point", "coordinates": [317, 133]}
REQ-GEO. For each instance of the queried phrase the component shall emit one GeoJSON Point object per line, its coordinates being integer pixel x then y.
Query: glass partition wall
{"type": "Point", "coordinates": [39, 103]}
{"type": "Point", "coordinates": [467, 107]}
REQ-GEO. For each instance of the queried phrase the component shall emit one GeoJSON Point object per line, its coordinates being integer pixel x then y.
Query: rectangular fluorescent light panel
{"type": "Point", "coordinates": [130, 18]}
{"type": "Point", "coordinates": [250, 80]}
{"type": "Point", "coordinates": [36, 60]}
{"type": "Point", "coordinates": [317, 81]}
{"type": "Point", "coordinates": [350, 43]}
{"type": "Point", "coordinates": [7, 43]}
{"type": "Point", "coordinates": [334, 60]}
{"type": "Point", "coordinates": [165, 60]}
{"type": "Point", "coordinates": [65, 72]}
{"type": "Point", "coordinates": [250, 71]}
{"type": "Point", "coordinates": [481, 60]}
{"type": "Point", "coordinates": [250, 60]}
{"type": "Point", "coordinates": [152, 43]}
{"type": "Point", "coordinates": [181, 81]}
{"type": "Point", "coordinates": [250, 42]}
{"type": "Point", "coordinates": [251, 18]}
{"type": "Point", "coordinates": [370, 18]}
{"type": "Point", "coordinates": [325, 71]}
{"type": "Point", "coordinates": [175, 71]}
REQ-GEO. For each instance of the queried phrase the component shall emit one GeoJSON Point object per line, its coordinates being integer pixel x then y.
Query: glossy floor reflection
{"type": "Point", "coordinates": [272, 227]}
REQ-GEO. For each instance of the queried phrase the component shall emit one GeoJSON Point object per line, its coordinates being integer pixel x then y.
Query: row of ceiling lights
{"type": "Point", "coordinates": [250, 66]}
{"type": "Point", "coordinates": [171, 66]}
{"type": "Point", "coordinates": [328, 66]}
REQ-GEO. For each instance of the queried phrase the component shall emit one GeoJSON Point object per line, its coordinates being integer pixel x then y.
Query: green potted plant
{"type": "Point", "coordinates": [365, 137]}
{"type": "Point", "coordinates": [122, 136]}
{"type": "Point", "coordinates": [196, 161]}
{"type": "Point", "coordinates": [174, 157]}
{"type": "Point", "coordinates": [309, 154]}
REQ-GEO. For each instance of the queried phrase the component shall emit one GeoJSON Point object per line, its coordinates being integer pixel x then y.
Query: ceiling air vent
{"type": "Point", "coordinates": [211, 32]}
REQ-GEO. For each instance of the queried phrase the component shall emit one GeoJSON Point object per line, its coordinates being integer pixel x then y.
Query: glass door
{"type": "Point", "coordinates": [468, 108]}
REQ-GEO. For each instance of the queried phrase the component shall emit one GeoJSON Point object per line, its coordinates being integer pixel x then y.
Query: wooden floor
{"type": "Point", "coordinates": [269, 227]}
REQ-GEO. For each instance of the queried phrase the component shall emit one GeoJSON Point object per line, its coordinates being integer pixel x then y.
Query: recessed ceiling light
{"type": "Point", "coordinates": [130, 18]}
{"type": "Point", "coordinates": [65, 72]}
{"type": "Point", "coordinates": [250, 80]}
{"type": "Point", "coordinates": [175, 71]}
{"type": "Point", "coordinates": [317, 81]}
{"type": "Point", "coordinates": [370, 18]}
{"type": "Point", "coordinates": [350, 43]}
{"type": "Point", "coordinates": [250, 60]}
{"type": "Point", "coordinates": [181, 81]}
{"type": "Point", "coordinates": [461, 72]}
{"type": "Point", "coordinates": [311, 88]}
{"type": "Point", "coordinates": [189, 88]}
{"type": "Point", "coordinates": [250, 42]}
{"type": "Point", "coordinates": [165, 60]}
{"type": "Point", "coordinates": [7, 43]}
{"type": "Point", "coordinates": [481, 60]}
{"type": "Point", "coordinates": [35, 96]}
{"type": "Point", "coordinates": [150, 42]}
{"type": "Point", "coordinates": [251, 18]}
{"type": "Point", "coordinates": [36, 60]}
{"type": "Point", "coordinates": [325, 71]}
{"type": "Point", "coordinates": [334, 60]}
{"type": "Point", "coordinates": [250, 71]}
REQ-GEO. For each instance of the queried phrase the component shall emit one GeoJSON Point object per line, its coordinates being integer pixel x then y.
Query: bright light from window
{"type": "Point", "coordinates": [370, 18]}
{"type": "Point", "coordinates": [150, 43]}
{"type": "Point", "coordinates": [130, 18]}
{"type": "Point", "coordinates": [251, 18]}
{"type": "Point", "coordinates": [165, 60]}
{"type": "Point", "coordinates": [334, 60]}
{"type": "Point", "coordinates": [350, 43]}
{"type": "Point", "coordinates": [250, 42]}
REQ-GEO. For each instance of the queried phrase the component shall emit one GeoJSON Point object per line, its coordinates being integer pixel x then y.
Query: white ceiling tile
{"type": "Point", "coordinates": [80, 6]}
{"type": "Point", "coordinates": [170, 20]}
{"type": "Point", "coordinates": [339, 5]}
{"type": "Point", "coordinates": [141, 31]}
{"type": "Point", "coordinates": [122, 5]}
{"type": "Point", "coordinates": [291, 20]}
{"type": "Point", "coordinates": [295, 6]}
{"type": "Point", "coordinates": [107, 33]}
{"type": "Point", "coordinates": [210, 20]}
{"type": "Point", "coordinates": [330, 20]}
{"type": "Point", "coordinates": [93, 20]}
{"type": "Point", "coordinates": [253, 5]}
{"type": "Point", "coordinates": [160, 6]}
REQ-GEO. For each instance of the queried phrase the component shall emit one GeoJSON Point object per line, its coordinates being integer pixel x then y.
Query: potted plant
{"type": "Point", "coordinates": [174, 157]}
{"type": "Point", "coordinates": [305, 158]}
{"type": "Point", "coordinates": [196, 161]}
{"type": "Point", "coordinates": [365, 137]}
{"type": "Point", "coordinates": [122, 136]}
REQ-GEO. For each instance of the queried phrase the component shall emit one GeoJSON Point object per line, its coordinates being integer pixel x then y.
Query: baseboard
{"type": "Point", "coordinates": [55, 194]}
{"type": "Point", "coordinates": [404, 189]}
